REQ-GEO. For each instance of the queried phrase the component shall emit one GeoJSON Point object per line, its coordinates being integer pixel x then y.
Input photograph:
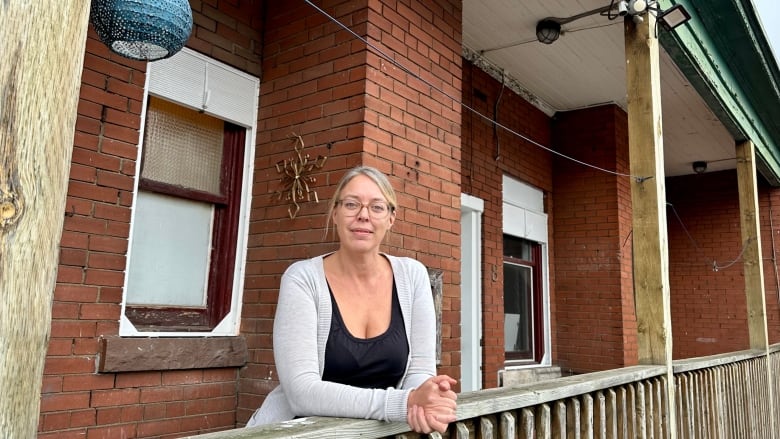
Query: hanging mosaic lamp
{"type": "Point", "coordinates": [142, 29]}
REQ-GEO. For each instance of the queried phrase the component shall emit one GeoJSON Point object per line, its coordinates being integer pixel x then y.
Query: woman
{"type": "Point", "coordinates": [354, 332]}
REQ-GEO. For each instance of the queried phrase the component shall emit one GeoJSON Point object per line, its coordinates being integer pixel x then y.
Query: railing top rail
{"type": "Point", "coordinates": [314, 427]}
{"type": "Point", "coordinates": [470, 405]}
{"type": "Point", "coordinates": [473, 404]}
{"type": "Point", "coordinates": [774, 348]}
{"type": "Point", "coordinates": [691, 364]}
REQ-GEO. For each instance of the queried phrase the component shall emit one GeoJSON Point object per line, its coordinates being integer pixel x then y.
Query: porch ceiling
{"type": "Point", "coordinates": [586, 67]}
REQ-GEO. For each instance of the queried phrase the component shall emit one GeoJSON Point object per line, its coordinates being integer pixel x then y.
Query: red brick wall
{"type": "Point", "coordinates": [709, 312]}
{"type": "Point", "coordinates": [482, 178]}
{"type": "Point", "coordinates": [76, 401]}
{"type": "Point", "coordinates": [596, 323]}
{"type": "Point", "coordinates": [353, 106]}
{"type": "Point", "coordinates": [769, 204]}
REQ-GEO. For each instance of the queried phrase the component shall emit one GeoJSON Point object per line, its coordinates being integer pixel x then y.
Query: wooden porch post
{"type": "Point", "coordinates": [42, 43]}
{"type": "Point", "coordinates": [648, 200]}
{"type": "Point", "coordinates": [752, 261]}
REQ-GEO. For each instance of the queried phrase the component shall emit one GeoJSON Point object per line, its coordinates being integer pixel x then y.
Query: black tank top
{"type": "Point", "coordinates": [371, 363]}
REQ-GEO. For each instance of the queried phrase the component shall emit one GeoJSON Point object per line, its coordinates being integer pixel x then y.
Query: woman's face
{"type": "Point", "coordinates": [362, 215]}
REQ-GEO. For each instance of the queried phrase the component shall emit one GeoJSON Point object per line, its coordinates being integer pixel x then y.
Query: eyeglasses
{"type": "Point", "coordinates": [376, 209]}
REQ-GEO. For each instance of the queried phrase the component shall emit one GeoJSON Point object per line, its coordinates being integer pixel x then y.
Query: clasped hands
{"type": "Point", "coordinates": [432, 405]}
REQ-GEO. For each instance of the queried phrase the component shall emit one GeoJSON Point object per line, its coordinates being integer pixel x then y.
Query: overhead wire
{"type": "Point", "coordinates": [408, 71]}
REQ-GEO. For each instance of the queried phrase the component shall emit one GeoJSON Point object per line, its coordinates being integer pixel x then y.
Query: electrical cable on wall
{"type": "Point", "coordinates": [495, 118]}
{"type": "Point", "coordinates": [379, 52]}
{"type": "Point", "coordinates": [714, 263]}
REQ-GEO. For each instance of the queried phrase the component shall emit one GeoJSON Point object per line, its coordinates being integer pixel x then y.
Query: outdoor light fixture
{"type": "Point", "coordinates": [699, 167]}
{"type": "Point", "coordinates": [145, 30]}
{"type": "Point", "coordinates": [673, 17]}
{"type": "Point", "coordinates": [547, 31]}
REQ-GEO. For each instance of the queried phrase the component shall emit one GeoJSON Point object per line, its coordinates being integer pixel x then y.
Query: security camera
{"type": "Point", "coordinates": [622, 8]}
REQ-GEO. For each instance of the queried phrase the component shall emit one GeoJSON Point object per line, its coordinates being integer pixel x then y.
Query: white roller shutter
{"type": "Point", "coordinates": [201, 83]}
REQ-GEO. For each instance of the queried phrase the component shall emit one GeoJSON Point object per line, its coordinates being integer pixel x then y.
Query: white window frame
{"type": "Point", "coordinates": [199, 82]}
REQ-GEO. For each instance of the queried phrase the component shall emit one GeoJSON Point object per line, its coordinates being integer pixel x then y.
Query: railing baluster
{"type": "Point", "coordinates": [737, 404]}
{"type": "Point", "coordinates": [600, 416]}
{"type": "Point", "coordinates": [766, 396]}
{"type": "Point", "coordinates": [688, 409]}
{"type": "Point", "coordinates": [462, 431]}
{"type": "Point", "coordinates": [699, 420]}
{"type": "Point", "coordinates": [528, 424]}
{"type": "Point", "coordinates": [573, 419]}
{"type": "Point", "coordinates": [742, 401]}
{"type": "Point", "coordinates": [611, 414]}
{"type": "Point", "coordinates": [543, 420]}
{"type": "Point", "coordinates": [721, 404]}
{"type": "Point", "coordinates": [752, 400]}
{"type": "Point", "coordinates": [622, 419]}
{"type": "Point", "coordinates": [586, 420]}
{"type": "Point", "coordinates": [707, 397]}
{"type": "Point", "coordinates": [508, 427]}
{"type": "Point", "coordinates": [631, 411]}
{"type": "Point", "coordinates": [640, 411]}
{"type": "Point", "coordinates": [486, 428]}
{"type": "Point", "coordinates": [658, 408]}
{"type": "Point", "coordinates": [649, 409]}
{"type": "Point", "coordinates": [774, 362]}
{"type": "Point", "coordinates": [696, 403]}
{"type": "Point", "coordinates": [704, 397]}
{"type": "Point", "coordinates": [559, 420]}
{"type": "Point", "coordinates": [667, 418]}
{"type": "Point", "coordinates": [760, 394]}
{"type": "Point", "coordinates": [728, 392]}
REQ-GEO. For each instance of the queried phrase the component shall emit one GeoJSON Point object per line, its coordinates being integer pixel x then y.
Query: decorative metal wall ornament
{"type": "Point", "coordinates": [296, 176]}
{"type": "Point", "coordinates": [146, 30]}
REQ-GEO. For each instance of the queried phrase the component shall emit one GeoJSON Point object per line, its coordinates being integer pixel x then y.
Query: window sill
{"type": "Point", "coordinates": [132, 354]}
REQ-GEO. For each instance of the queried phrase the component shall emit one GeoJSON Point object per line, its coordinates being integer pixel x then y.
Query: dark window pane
{"type": "Point", "coordinates": [518, 315]}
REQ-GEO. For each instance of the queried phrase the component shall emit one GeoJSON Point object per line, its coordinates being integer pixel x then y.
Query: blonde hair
{"type": "Point", "coordinates": [377, 176]}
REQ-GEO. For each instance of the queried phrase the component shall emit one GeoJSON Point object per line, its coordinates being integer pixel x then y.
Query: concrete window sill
{"type": "Point", "coordinates": [132, 354]}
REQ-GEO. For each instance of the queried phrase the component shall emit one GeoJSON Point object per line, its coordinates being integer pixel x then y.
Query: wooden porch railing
{"type": "Point", "coordinates": [728, 396]}
{"type": "Point", "coordinates": [722, 396]}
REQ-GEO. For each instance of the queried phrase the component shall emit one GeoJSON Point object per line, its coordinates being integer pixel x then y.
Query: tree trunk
{"type": "Point", "coordinates": [42, 46]}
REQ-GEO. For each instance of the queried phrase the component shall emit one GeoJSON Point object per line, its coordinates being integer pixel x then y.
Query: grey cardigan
{"type": "Point", "coordinates": [301, 328]}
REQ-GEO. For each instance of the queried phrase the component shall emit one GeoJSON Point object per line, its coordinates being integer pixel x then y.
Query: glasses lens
{"type": "Point", "coordinates": [377, 209]}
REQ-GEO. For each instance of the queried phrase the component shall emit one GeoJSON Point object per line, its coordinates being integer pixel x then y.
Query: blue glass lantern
{"type": "Point", "coordinates": [142, 29]}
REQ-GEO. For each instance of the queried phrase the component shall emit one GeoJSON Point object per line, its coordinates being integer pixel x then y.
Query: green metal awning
{"type": "Point", "coordinates": [724, 53]}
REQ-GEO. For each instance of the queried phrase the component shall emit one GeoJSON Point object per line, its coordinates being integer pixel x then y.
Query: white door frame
{"type": "Point", "coordinates": [471, 209]}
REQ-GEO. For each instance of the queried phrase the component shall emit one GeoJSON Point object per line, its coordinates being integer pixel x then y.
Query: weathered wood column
{"type": "Point", "coordinates": [648, 201]}
{"type": "Point", "coordinates": [42, 43]}
{"type": "Point", "coordinates": [751, 256]}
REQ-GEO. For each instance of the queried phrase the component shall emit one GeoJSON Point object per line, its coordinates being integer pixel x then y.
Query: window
{"type": "Point", "coordinates": [526, 298]}
{"type": "Point", "coordinates": [187, 241]}
{"type": "Point", "coordinates": [522, 300]}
